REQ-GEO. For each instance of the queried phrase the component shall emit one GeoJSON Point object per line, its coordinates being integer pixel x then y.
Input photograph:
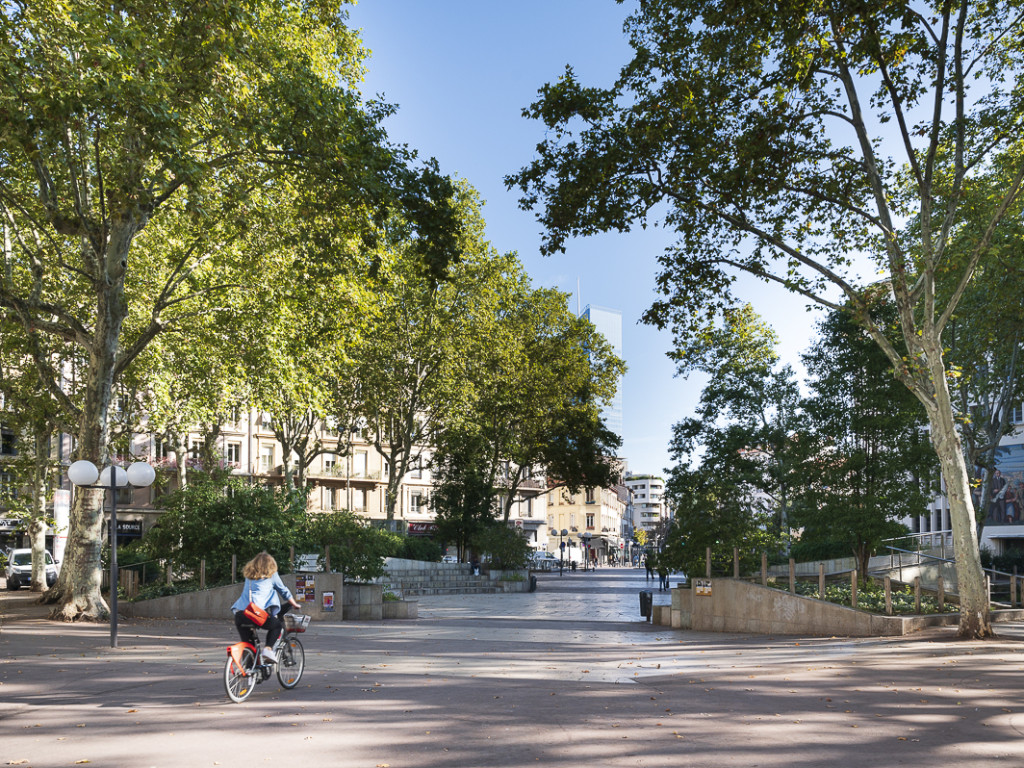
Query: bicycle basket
{"type": "Point", "coordinates": [294, 622]}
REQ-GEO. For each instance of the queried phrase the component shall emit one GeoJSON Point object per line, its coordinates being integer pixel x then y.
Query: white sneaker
{"type": "Point", "coordinates": [269, 655]}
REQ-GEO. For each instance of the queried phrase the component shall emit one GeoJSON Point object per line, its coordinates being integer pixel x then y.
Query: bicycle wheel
{"type": "Point", "coordinates": [291, 660]}
{"type": "Point", "coordinates": [239, 683]}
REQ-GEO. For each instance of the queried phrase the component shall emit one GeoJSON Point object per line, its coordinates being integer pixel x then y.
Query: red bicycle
{"type": "Point", "coordinates": [245, 667]}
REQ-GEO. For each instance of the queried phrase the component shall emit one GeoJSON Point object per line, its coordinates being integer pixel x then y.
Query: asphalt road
{"type": "Point", "coordinates": [567, 676]}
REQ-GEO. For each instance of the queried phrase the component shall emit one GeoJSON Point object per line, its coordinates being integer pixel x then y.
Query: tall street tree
{"type": "Point", "coordinates": [541, 376]}
{"type": "Point", "coordinates": [872, 464]}
{"type": "Point", "coordinates": [115, 118]}
{"type": "Point", "coordinates": [795, 143]}
{"type": "Point", "coordinates": [740, 462]}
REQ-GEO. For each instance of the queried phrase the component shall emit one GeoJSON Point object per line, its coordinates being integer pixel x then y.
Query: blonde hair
{"type": "Point", "coordinates": [263, 566]}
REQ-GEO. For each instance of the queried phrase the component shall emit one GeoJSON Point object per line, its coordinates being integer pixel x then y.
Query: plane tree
{"type": "Point", "coordinates": [795, 143]}
{"type": "Point", "coordinates": [116, 118]}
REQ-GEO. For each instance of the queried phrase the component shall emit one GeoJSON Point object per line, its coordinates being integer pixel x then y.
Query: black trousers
{"type": "Point", "coordinates": [274, 626]}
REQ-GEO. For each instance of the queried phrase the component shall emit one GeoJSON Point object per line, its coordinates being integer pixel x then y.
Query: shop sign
{"type": "Point", "coordinates": [422, 529]}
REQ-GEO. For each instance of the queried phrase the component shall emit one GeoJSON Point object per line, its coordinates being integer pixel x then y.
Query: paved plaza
{"type": "Point", "coordinates": [567, 676]}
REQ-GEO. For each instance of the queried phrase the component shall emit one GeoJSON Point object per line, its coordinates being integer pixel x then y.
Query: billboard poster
{"type": "Point", "coordinates": [1006, 492]}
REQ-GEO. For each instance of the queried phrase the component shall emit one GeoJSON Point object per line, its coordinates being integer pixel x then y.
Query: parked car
{"type": "Point", "coordinates": [19, 569]}
{"type": "Point", "coordinates": [450, 559]}
{"type": "Point", "coordinates": [543, 561]}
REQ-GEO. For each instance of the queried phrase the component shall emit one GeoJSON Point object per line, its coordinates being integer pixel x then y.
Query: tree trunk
{"type": "Point", "coordinates": [76, 594]}
{"type": "Point", "coordinates": [974, 606]}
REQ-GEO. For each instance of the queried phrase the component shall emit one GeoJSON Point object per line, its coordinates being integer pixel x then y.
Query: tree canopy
{"type": "Point", "coordinates": [814, 146]}
{"type": "Point", "coordinates": [139, 144]}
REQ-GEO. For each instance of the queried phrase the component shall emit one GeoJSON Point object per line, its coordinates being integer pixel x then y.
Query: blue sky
{"type": "Point", "coordinates": [461, 72]}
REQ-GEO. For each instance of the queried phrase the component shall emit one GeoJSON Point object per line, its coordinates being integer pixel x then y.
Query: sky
{"type": "Point", "coordinates": [461, 72]}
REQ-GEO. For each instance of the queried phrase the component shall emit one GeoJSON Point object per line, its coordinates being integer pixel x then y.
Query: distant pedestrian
{"type": "Point", "coordinates": [662, 576]}
{"type": "Point", "coordinates": [650, 568]}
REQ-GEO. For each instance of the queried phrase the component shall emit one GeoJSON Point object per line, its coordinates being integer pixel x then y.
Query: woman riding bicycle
{"type": "Point", "coordinates": [264, 588]}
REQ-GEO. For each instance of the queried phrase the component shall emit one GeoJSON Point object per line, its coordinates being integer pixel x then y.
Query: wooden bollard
{"type": "Point", "coordinates": [888, 596]}
{"type": "Point", "coordinates": [940, 589]}
{"type": "Point", "coordinates": [853, 588]}
{"type": "Point", "coordinates": [917, 594]}
{"type": "Point", "coordinates": [202, 573]}
{"type": "Point", "coordinates": [792, 576]}
{"type": "Point", "coordinates": [234, 568]}
{"type": "Point", "coordinates": [168, 573]}
{"type": "Point", "coordinates": [764, 569]}
{"type": "Point", "coordinates": [707, 562]}
{"type": "Point", "coordinates": [821, 581]}
{"type": "Point", "coordinates": [735, 563]}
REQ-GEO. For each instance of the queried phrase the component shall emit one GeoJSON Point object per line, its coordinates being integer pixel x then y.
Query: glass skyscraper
{"type": "Point", "coordinates": [608, 323]}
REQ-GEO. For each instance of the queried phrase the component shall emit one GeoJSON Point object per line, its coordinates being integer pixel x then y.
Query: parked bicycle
{"type": "Point", "coordinates": [246, 668]}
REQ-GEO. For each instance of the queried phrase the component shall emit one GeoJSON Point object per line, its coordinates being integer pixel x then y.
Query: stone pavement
{"type": "Point", "coordinates": [567, 676]}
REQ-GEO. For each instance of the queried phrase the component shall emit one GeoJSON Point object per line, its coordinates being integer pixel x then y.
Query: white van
{"type": "Point", "coordinates": [19, 569]}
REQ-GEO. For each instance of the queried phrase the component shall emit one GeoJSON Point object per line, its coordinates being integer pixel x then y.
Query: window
{"type": "Point", "coordinates": [235, 414]}
{"type": "Point", "coordinates": [415, 503]}
{"type": "Point", "coordinates": [417, 469]}
{"type": "Point", "coordinates": [330, 498]}
{"type": "Point", "coordinates": [7, 487]}
{"type": "Point", "coordinates": [590, 496]}
{"type": "Point", "coordinates": [1018, 414]}
{"type": "Point", "coordinates": [266, 458]}
{"type": "Point", "coordinates": [359, 464]}
{"type": "Point", "coordinates": [330, 462]}
{"type": "Point", "coordinates": [590, 520]}
{"type": "Point", "coordinates": [8, 443]}
{"type": "Point", "coordinates": [233, 453]}
{"type": "Point", "coordinates": [358, 500]}
{"type": "Point", "coordinates": [124, 496]}
{"type": "Point", "coordinates": [266, 420]}
{"type": "Point", "coordinates": [161, 449]}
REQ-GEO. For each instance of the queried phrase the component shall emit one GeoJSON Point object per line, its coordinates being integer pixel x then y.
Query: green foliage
{"type": "Point", "coordinates": [754, 132]}
{"type": "Point", "coordinates": [217, 517]}
{"type": "Point", "coordinates": [1007, 562]}
{"type": "Point", "coordinates": [420, 548]}
{"type": "Point", "coordinates": [871, 597]}
{"type": "Point", "coordinates": [872, 463]}
{"type": "Point", "coordinates": [463, 495]}
{"type": "Point", "coordinates": [357, 548]}
{"type": "Point", "coordinates": [741, 458]}
{"type": "Point", "coordinates": [507, 547]}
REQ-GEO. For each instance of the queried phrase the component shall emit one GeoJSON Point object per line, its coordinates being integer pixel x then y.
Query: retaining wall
{"type": "Point", "coordinates": [352, 602]}
{"type": "Point", "coordinates": [739, 606]}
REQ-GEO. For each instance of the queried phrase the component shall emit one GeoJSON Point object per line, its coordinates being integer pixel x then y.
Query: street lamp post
{"type": "Point", "coordinates": [84, 474]}
{"type": "Point", "coordinates": [586, 538]}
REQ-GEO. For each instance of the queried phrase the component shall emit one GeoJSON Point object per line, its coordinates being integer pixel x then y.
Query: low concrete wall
{"type": "Point", "coordinates": [738, 606]}
{"type": "Point", "coordinates": [354, 602]}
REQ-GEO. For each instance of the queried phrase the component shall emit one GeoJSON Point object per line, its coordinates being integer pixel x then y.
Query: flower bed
{"type": "Point", "coordinates": [870, 597]}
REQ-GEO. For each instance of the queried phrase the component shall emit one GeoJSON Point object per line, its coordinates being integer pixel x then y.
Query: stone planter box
{"type": "Point", "coordinates": [401, 609]}
{"type": "Point", "coordinates": [363, 602]}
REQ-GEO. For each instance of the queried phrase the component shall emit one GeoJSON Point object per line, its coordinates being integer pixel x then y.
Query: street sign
{"type": "Point", "coordinates": [561, 545]}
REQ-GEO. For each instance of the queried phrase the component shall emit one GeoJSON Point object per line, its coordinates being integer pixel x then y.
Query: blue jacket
{"type": "Point", "coordinates": [263, 592]}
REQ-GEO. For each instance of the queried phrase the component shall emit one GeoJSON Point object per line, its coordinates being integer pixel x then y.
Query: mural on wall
{"type": "Point", "coordinates": [1006, 494]}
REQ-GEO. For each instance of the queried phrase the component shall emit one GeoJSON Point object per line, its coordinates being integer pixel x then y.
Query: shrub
{"type": "Point", "coordinates": [870, 597]}
{"type": "Point", "coordinates": [420, 548]}
{"type": "Point", "coordinates": [507, 547]}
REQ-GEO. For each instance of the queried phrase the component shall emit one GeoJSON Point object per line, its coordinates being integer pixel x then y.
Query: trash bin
{"type": "Point", "coordinates": [646, 603]}
{"type": "Point", "coordinates": [533, 583]}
